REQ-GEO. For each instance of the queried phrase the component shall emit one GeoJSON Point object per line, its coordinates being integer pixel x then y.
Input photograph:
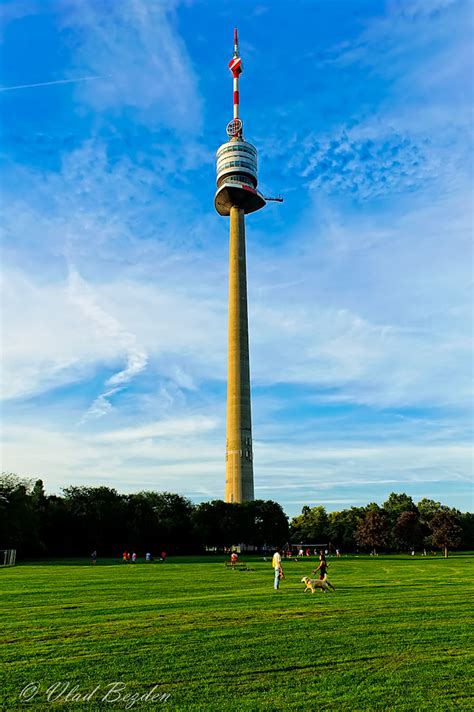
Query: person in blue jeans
{"type": "Point", "coordinates": [276, 563]}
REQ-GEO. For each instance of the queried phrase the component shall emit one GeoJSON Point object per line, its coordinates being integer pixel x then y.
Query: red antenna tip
{"type": "Point", "coordinates": [235, 35]}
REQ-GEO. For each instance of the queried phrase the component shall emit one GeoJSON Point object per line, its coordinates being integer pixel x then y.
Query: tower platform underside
{"type": "Point", "coordinates": [239, 195]}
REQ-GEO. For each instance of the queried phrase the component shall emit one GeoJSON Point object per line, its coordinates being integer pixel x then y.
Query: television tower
{"type": "Point", "coordinates": [236, 196]}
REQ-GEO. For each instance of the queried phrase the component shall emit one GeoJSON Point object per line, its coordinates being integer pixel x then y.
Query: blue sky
{"type": "Point", "coordinates": [115, 262]}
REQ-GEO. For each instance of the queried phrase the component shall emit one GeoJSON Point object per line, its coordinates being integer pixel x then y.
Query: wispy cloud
{"type": "Point", "coordinates": [177, 428]}
{"type": "Point", "coordinates": [368, 167]}
{"type": "Point", "coordinates": [138, 43]}
{"type": "Point", "coordinates": [391, 108]}
{"type": "Point", "coordinates": [81, 295]}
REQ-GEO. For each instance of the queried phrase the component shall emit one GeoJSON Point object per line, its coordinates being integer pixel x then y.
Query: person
{"type": "Point", "coordinates": [148, 557]}
{"type": "Point", "coordinates": [300, 552]}
{"type": "Point", "coordinates": [134, 557]}
{"type": "Point", "coordinates": [307, 551]}
{"type": "Point", "coordinates": [128, 557]}
{"type": "Point", "coordinates": [124, 557]}
{"type": "Point", "coordinates": [322, 567]}
{"type": "Point", "coordinates": [276, 563]}
{"type": "Point", "coordinates": [338, 553]}
{"type": "Point", "coordinates": [163, 556]}
{"type": "Point", "coordinates": [233, 559]}
{"type": "Point", "coordinates": [94, 557]}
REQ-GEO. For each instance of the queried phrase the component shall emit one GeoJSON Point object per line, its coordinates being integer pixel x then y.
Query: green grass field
{"type": "Point", "coordinates": [394, 636]}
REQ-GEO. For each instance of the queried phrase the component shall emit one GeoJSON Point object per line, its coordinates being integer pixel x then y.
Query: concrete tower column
{"type": "Point", "coordinates": [239, 458]}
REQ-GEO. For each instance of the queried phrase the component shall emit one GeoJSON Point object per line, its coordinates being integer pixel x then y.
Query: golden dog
{"type": "Point", "coordinates": [313, 584]}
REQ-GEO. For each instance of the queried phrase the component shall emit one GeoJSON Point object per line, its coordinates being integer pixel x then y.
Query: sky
{"type": "Point", "coordinates": [114, 261]}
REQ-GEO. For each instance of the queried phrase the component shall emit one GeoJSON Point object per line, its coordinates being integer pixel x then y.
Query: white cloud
{"type": "Point", "coordinates": [418, 7]}
{"type": "Point", "coordinates": [400, 119]}
{"type": "Point", "coordinates": [182, 460]}
{"type": "Point", "coordinates": [80, 294]}
{"type": "Point", "coordinates": [177, 428]}
{"type": "Point", "coordinates": [136, 42]}
{"type": "Point", "coordinates": [57, 334]}
{"type": "Point", "coordinates": [46, 342]}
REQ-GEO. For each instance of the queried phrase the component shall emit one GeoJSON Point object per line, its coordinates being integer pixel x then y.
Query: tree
{"type": "Point", "coordinates": [396, 504]}
{"type": "Point", "coordinates": [272, 523]}
{"type": "Point", "coordinates": [58, 528]}
{"type": "Point", "coordinates": [18, 523]}
{"type": "Point", "coordinates": [174, 516]}
{"type": "Point", "coordinates": [214, 523]}
{"type": "Point", "coordinates": [428, 508]}
{"type": "Point", "coordinates": [407, 530]}
{"type": "Point", "coordinates": [39, 506]}
{"type": "Point", "coordinates": [96, 520]}
{"type": "Point", "coordinates": [265, 523]}
{"type": "Point", "coordinates": [311, 526]}
{"type": "Point", "coordinates": [445, 531]}
{"type": "Point", "coordinates": [221, 524]}
{"type": "Point", "coordinates": [466, 522]}
{"type": "Point", "coordinates": [342, 527]}
{"type": "Point", "coordinates": [142, 529]}
{"type": "Point", "coordinates": [372, 531]}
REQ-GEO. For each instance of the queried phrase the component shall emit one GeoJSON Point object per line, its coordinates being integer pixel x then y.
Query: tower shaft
{"type": "Point", "coordinates": [239, 458]}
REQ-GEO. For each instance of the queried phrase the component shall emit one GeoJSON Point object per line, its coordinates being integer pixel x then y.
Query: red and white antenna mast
{"type": "Point", "coordinates": [234, 129]}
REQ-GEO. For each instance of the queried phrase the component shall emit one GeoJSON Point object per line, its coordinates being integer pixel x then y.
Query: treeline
{"type": "Point", "coordinates": [85, 519]}
{"type": "Point", "coordinates": [399, 525]}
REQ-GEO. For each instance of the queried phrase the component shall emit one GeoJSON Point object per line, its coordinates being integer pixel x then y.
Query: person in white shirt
{"type": "Point", "coordinates": [276, 563]}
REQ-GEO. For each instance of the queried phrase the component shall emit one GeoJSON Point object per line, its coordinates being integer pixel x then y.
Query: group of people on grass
{"type": "Point", "coordinates": [287, 553]}
{"type": "Point", "coordinates": [301, 552]}
{"type": "Point", "coordinates": [131, 558]}
{"type": "Point", "coordinates": [126, 558]}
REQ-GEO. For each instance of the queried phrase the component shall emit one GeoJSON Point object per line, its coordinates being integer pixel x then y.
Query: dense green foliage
{"type": "Point", "coordinates": [399, 525]}
{"type": "Point", "coordinates": [394, 636]}
{"type": "Point", "coordinates": [84, 519]}
{"type": "Point", "coordinates": [99, 518]}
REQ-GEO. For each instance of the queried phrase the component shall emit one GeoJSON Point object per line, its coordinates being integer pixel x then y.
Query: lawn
{"type": "Point", "coordinates": [394, 636]}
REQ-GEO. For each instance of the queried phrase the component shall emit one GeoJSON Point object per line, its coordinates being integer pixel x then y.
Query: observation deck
{"type": "Point", "coordinates": [237, 177]}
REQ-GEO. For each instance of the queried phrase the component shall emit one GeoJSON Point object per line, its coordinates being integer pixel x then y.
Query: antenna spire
{"type": "Point", "coordinates": [235, 66]}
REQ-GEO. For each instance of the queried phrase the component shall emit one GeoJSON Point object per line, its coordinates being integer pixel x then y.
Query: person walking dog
{"type": "Point", "coordinates": [323, 570]}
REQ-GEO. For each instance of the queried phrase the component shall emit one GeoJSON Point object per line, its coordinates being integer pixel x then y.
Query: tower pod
{"type": "Point", "coordinates": [237, 178]}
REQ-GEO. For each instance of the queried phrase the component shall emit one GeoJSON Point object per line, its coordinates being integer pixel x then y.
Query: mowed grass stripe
{"type": "Point", "coordinates": [395, 635]}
